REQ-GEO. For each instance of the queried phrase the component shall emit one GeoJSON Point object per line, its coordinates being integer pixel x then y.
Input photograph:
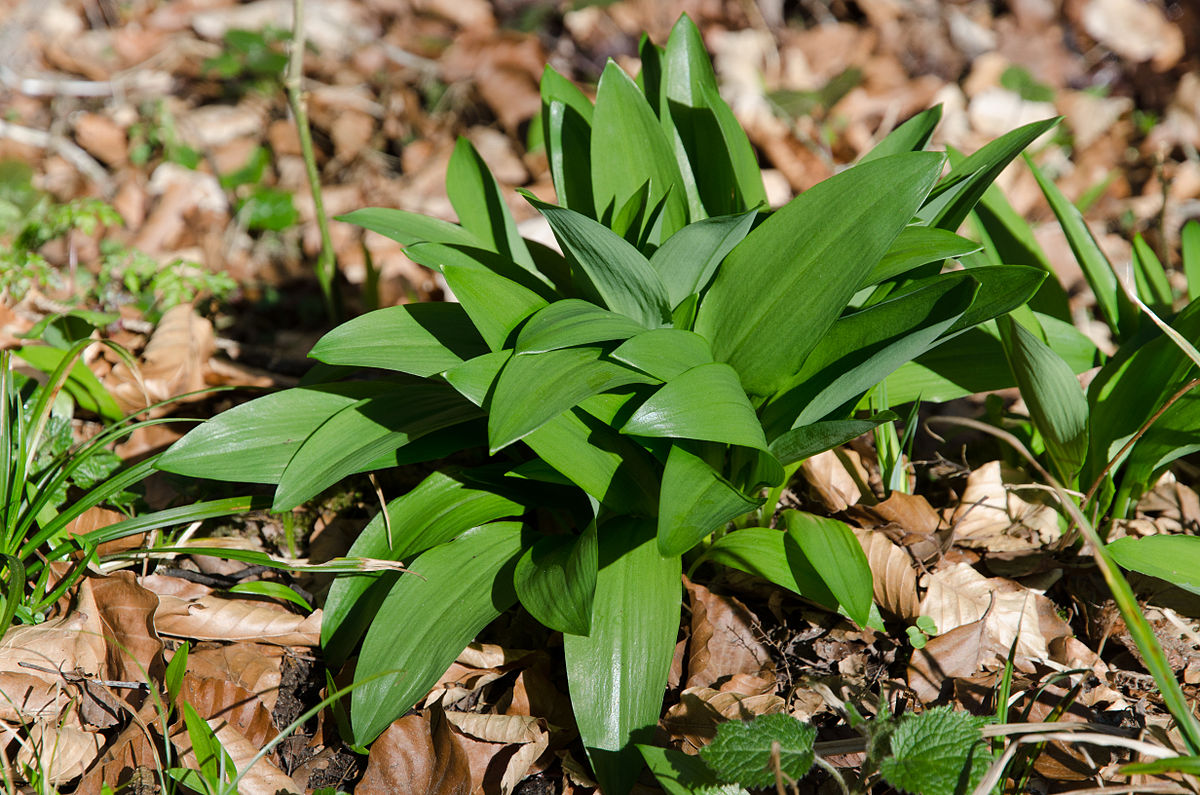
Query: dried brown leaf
{"type": "Point", "coordinates": [992, 517]}
{"type": "Point", "coordinates": [417, 755]}
{"type": "Point", "coordinates": [172, 363]}
{"type": "Point", "coordinates": [253, 666]}
{"type": "Point", "coordinates": [724, 641]}
{"type": "Point", "coordinates": [894, 578]}
{"type": "Point", "coordinates": [264, 778]}
{"type": "Point", "coordinates": [190, 610]}
{"type": "Point", "coordinates": [695, 718]}
{"type": "Point", "coordinates": [502, 749]}
{"type": "Point", "coordinates": [61, 752]}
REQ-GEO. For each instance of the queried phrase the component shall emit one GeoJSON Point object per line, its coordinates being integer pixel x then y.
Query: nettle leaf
{"type": "Point", "coordinates": [664, 353]}
{"type": "Point", "coordinates": [762, 314]}
{"type": "Point", "coordinates": [450, 593]}
{"type": "Point", "coordinates": [407, 228]}
{"type": "Point", "coordinates": [723, 167]}
{"type": "Point", "coordinates": [534, 388]}
{"type": "Point", "coordinates": [555, 580]}
{"type": "Point", "coordinates": [705, 403]}
{"type": "Point", "coordinates": [911, 136]}
{"type": "Point", "coordinates": [572, 322]}
{"type": "Point", "coordinates": [832, 549]}
{"type": "Point", "coordinates": [1175, 559]}
{"type": "Point", "coordinates": [618, 673]}
{"type": "Point", "coordinates": [567, 125]}
{"type": "Point", "coordinates": [939, 752]}
{"type": "Point", "coordinates": [421, 339]}
{"type": "Point", "coordinates": [689, 258]}
{"type": "Point", "coordinates": [629, 149]}
{"type": "Point", "coordinates": [476, 197]}
{"type": "Point", "coordinates": [613, 271]}
{"type": "Point", "coordinates": [742, 750]}
{"type": "Point", "coordinates": [695, 501]}
{"type": "Point", "coordinates": [440, 508]}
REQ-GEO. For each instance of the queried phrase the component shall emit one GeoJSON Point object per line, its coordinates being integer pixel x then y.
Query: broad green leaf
{"type": "Point", "coordinates": [917, 246]}
{"type": "Point", "coordinates": [555, 580]}
{"type": "Point", "coordinates": [832, 549]}
{"type": "Point", "coordinates": [680, 774]}
{"type": "Point", "coordinates": [773, 555]}
{"type": "Point", "coordinates": [722, 161]}
{"type": "Point", "coordinates": [808, 440]}
{"type": "Point", "coordinates": [956, 195]}
{"type": "Point", "coordinates": [82, 385]}
{"type": "Point", "coordinates": [567, 122]}
{"type": "Point", "coordinates": [1150, 277]}
{"type": "Point", "coordinates": [1115, 307]}
{"type": "Point", "coordinates": [618, 673]}
{"type": "Point", "coordinates": [572, 322]}
{"type": "Point", "coordinates": [664, 353]}
{"type": "Point", "coordinates": [494, 304]}
{"type": "Point", "coordinates": [1002, 289]}
{"type": "Point", "coordinates": [1057, 404]}
{"type": "Point", "coordinates": [689, 258]}
{"type": "Point", "coordinates": [705, 403]}
{"type": "Point", "coordinates": [253, 442]}
{"type": "Point", "coordinates": [1175, 559]}
{"type": "Point", "coordinates": [615, 273]}
{"type": "Point", "coordinates": [762, 314]}
{"type": "Point", "coordinates": [695, 501]}
{"type": "Point", "coordinates": [939, 752]}
{"type": "Point", "coordinates": [535, 388]}
{"type": "Point", "coordinates": [407, 228]}
{"type": "Point", "coordinates": [474, 378]}
{"type": "Point", "coordinates": [358, 435]}
{"type": "Point", "coordinates": [863, 348]}
{"type": "Point", "coordinates": [438, 256]}
{"type": "Point", "coordinates": [747, 751]}
{"type": "Point", "coordinates": [1189, 241]}
{"type": "Point", "coordinates": [609, 467]}
{"type": "Point", "coordinates": [476, 197]}
{"type": "Point", "coordinates": [911, 136]}
{"type": "Point", "coordinates": [450, 593]}
{"type": "Point", "coordinates": [421, 339]}
{"type": "Point", "coordinates": [440, 508]}
{"type": "Point", "coordinates": [1009, 240]}
{"type": "Point", "coordinates": [628, 149]}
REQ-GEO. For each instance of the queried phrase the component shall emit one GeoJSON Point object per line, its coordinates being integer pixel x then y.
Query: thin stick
{"type": "Point", "coordinates": [294, 83]}
{"type": "Point", "coordinates": [81, 160]}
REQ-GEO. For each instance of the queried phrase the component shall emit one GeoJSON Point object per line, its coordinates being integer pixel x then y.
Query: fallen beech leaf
{"type": "Point", "coordinates": [700, 709]}
{"type": "Point", "coordinates": [235, 705]}
{"type": "Point", "coordinates": [831, 481]}
{"type": "Point", "coordinates": [96, 518]}
{"type": "Point", "coordinates": [910, 521]}
{"type": "Point", "coordinates": [264, 778]}
{"type": "Point", "coordinates": [253, 666]}
{"type": "Point", "coordinates": [958, 595]}
{"type": "Point", "coordinates": [959, 653]}
{"type": "Point", "coordinates": [417, 755]}
{"type": "Point", "coordinates": [1135, 30]}
{"type": "Point", "coordinates": [724, 642]}
{"type": "Point", "coordinates": [126, 613]}
{"type": "Point", "coordinates": [172, 363]}
{"type": "Point", "coordinates": [893, 577]}
{"type": "Point", "coordinates": [992, 517]}
{"type": "Point", "coordinates": [60, 752]}
{"type": "Point", "coordinates": [505, 750]}
{"type": "Point", "coordinates": [189, 610]}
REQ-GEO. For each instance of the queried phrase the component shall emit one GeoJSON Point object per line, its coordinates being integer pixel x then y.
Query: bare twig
{"type": "Point", "coordinates": [80, 159]}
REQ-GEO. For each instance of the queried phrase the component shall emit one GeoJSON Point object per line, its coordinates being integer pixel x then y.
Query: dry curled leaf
{"type": "Point", "coordinates": [893, 577]}
{"type": "Point", "coordinates": [417, 755]}
{"type": "Point", "coordinates": [262, 778]}
{"type": "Point", "coordinates": [991, 516]}
{"type": "Point", "coordinates": [502, 750]}
{"type": "Point", "coordinates": [172, 363]}
{"type": "Point", "coordinates": [189, 610]}
{"type": "Point", "coordinates": [695, 718]}
{"type": "Point", "coordinates": [724, 641]}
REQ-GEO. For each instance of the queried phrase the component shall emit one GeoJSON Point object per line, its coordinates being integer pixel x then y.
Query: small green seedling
{"type": "Point", "coordinates": [921, 632]}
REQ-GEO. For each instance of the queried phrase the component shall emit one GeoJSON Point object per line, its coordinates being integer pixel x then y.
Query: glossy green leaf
{"type": "Point", "coordinates": [494, 304]}
{"type": "Point", "coordinates": [567, 122]}
{"type": "Point", "coordinates": [1056, 402]}
{"type": "Point", "coordinates": [704, 403]}
{"type": "Point", "coordinates": [271, 590]}
{"type": "Point", "coordinates": [555, 580]}
{"type": "Point", "coordinates": [1175, 559]}
{"type": "Point", "coordinates": [1150, 277]}
{"type": "Point", "coordinates": [1175, 764]}
{"type": "Point", "coordinates": [911, 136]}
{"type": "Point", "coordinates": [82, 385]}
{"type": "Point", "coordinates": [722, 162]}
{"type": "Point", "coordinates": [1002, 289]}
{"type": "Point", "coordinates": [421, 339]}
{"type": "Point", "coordinates": [618, 673]}
{"type": "Point", "coordinates": [1114, 305]}
{"type": "Point", "coordinates": [614, 272]}
{"type": "Point", "coordinates": [664, 353]}
{"type": "Point", "coordinates": [689, 258]}
{"type": "Point", "coordinates": [808, 440]}
{"type": "Point", "coordinates": [450, 593]}
{"type": "Point", "coordinates": [956, 195]}
{"type": "Point", "coordinates": [832, 549]}
{"type": "Point", "coordinates": [534, 388]}
{"type": "Point", "coordinates": [406, 228]}
{"type": "Point", "coordinates": [773, 555]}
{"type": "Point", "coordinates": [1189, 243]}
{"type": "Point", "coordinates": [253, 442]}
{"type": "Point", "coordinates": [680, 774]}
{"type": "Point", "coordinates": [361, 433]}
{"type": "Point", "coordinates": [573, 322]}
{"type": "Point", "coordinates": [440, 508]}
{"type": "Point", "coordinates": [628, 148]}
{"type": "Point", "coordinates": [917, 246]}
{"type": "Point", "coordinates": [476, 198]}
{"type": "Point", "coordinates": [695, 501]}
{"type": "Point", "coordinates": [762, 314]}
{"type": "Point", "coordinates": [474, 378]}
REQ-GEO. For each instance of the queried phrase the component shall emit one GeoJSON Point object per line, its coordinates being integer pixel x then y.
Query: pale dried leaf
{"type": "Point", "coordinates": [724, 640]}
{"type": "Point", "coordinates": [491, 755]}
{"type": "Point", "coordinates": [700, 709]}
{"type": "Point", "coordinates": [214, 618]}
{"type": "Point", "coordinates": [831, 481]}
{"type": "Point", "coordinates": [991, 516]}
{"type": "Point", "coordinates": [172, 363]}
{"type": "Point", "coordinates": [264, 778]}
{"type": "Point", "coordinates": [893, 575]}
{"type": "Point", "coordinates": [60, 752]}
{"type": "Point", "coordinates": [1135, 30]}
{"type": "Point", "coordinates": [253, 666]}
